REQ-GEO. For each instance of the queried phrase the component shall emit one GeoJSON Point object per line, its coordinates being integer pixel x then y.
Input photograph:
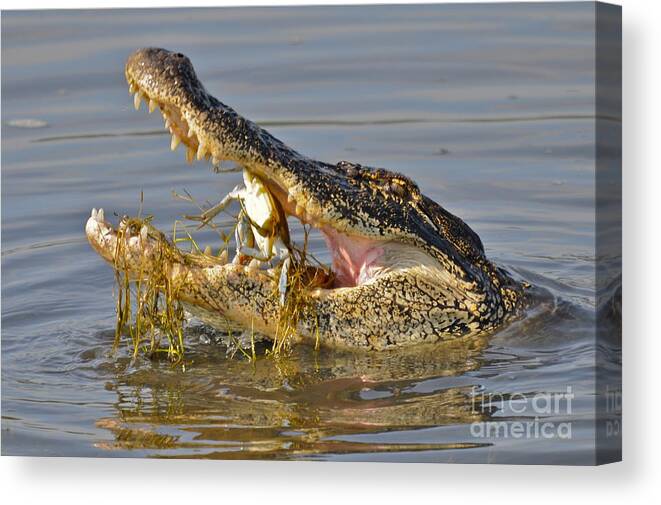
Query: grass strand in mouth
{"type": "Point", "coordinates": [149, 313]}
{"type": "Point", "coordinates": [147, 306]}
{"type": "Point", "coordinates": [305, 272]}
{"type": "Point", "coordinates": [294, 303]}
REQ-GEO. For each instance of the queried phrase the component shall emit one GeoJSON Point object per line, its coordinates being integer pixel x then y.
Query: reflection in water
{"type": "Point", "coordinates": [294, 406]}
{"type": "Point", "coordinates": [315, 403]}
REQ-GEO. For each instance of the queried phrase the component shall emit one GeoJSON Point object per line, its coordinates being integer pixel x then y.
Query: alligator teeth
{"type": "Point", "coordinates": [175, 142]}
{"type": "Point", "coordinates": [143, 233]}
{"type": "Point", "coordinates": [190, 155]}
{"type": "Point", "coordinates": [191, 132]}
{"type": "Point", "coordinates": [94, 213]}
{"type": "Point", "coordinates": [136, 100]}
{"type": "Point", "coordinates": [168, 123]}
{"type": "Point", "coordinates": [100, 216]}
{"type": "Point", "coordinates": [208, 251]}
{"type": "Point", "coordinates": [132, 88]}
{"type": "Point", "coordinates": [224, 256]}
{"type": "Point", "coordinates": [201, 151]}
{"type": "Point", "coordinates": [152, 105]}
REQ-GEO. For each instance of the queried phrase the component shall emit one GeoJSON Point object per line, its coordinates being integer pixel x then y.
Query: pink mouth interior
{"type": "Point", "coordinates": [354, 258]}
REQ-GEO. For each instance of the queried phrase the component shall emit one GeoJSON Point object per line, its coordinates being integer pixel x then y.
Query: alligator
{"type": "Point", "coordinates": [404, 270]}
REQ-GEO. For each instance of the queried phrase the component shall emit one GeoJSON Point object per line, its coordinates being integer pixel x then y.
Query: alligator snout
{"type": "Point", "coordinates": [165, 73]}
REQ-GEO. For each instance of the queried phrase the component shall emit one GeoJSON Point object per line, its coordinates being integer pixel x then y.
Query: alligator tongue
{"type": "Point", "coordinates": [354, 258]}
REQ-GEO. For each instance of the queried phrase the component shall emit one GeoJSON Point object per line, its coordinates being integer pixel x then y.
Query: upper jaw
{"type": "Point", "coordinates": [166, 75]}
{"type": "Point", "coordinates": [167, 81]}
{"type": "Point", "coordinates": [210, 130]}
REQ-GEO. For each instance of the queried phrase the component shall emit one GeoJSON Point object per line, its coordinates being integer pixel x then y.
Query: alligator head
{"type": "Point", "coordinates": [406, 270]}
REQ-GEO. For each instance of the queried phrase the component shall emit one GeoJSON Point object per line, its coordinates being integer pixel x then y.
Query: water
{"type": "Point", "coordinates": [489, 108]}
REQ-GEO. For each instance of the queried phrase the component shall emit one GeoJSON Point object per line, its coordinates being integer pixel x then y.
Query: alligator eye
{"type": "Point", "coordinates": [397, 189]}
{"type": "Point", "coordinates": [352, 171]}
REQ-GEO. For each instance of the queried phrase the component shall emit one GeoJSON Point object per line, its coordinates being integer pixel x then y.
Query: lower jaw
{"type": "Point", "coordinates": [353, 257]}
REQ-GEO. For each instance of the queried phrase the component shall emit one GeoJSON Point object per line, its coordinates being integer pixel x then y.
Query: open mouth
{"type": "Point", "coordinates": [355, 259]}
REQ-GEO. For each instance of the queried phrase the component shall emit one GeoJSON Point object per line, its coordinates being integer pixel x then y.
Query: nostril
{"type": "Point", "coordinates": [179, 55]}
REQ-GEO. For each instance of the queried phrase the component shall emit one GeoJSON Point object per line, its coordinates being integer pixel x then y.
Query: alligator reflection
{"type": "Point", "coordinates": [311, 403]}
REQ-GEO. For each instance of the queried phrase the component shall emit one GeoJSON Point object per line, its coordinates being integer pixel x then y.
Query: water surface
{"type": "Point", "coordinates": [490, 108]}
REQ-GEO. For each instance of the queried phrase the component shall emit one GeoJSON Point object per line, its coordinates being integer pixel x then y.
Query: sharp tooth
{"type": "Point", "coordinates": [136, 100]}
{"type": "Point", "coordinates": [168, 123]}
{"type": "Point", "coordinates": [201, 151]}
{"type": "Point", "coordinates": [207, 250]}
{"type": "Point", "coordinates": [132, 88]}
{"type": "Point", "coordinates": [99, 215]}
{"type": "Point", "coordinates": [191, 132]}
{"type": "Point", "coordinates": [190, 155]}
{"type": "Point", "coordinates": [224, 256]}
{"type": "Point", "coordinates": [143, 233]}
{"type": "Point", "coordinates": [94, 213]}
{"type": "Point", "coordinates": [175, 142]}
{"type": "Point", "coordinates": [152, 105]}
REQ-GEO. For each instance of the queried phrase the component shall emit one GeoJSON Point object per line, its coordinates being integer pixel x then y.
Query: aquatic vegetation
{"type": "Point", "coordinates": [304, 272]}
{"type": "Point", "coordinates": [149, 311]}
{"type": "Point", "coordinates": [147, 306]}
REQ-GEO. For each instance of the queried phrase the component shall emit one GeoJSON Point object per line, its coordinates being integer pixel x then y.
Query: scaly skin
{"type": "Point", "coordinates": [430, 279]}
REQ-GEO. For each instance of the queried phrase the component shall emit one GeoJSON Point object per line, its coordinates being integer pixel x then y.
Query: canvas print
{"type": "Point", "coordinates": [365, 233]}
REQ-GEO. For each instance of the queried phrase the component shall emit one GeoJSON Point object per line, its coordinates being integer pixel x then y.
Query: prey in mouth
{"type": "Point", "coordinates": [404, 270]}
